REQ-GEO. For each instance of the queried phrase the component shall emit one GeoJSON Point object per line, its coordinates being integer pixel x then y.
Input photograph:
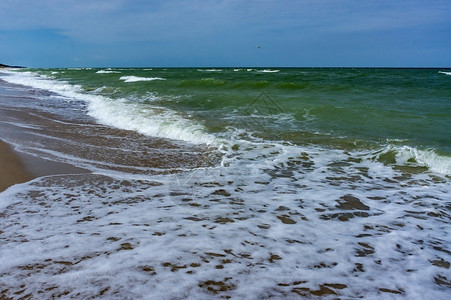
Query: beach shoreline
{"type": "Point", "coordinates": [17, 166]}
{"type": "Point", "coordinates": [301, 213]}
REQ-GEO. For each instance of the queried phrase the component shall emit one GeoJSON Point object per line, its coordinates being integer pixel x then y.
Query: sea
{"type": "Point", "coordinates": [242, 183]}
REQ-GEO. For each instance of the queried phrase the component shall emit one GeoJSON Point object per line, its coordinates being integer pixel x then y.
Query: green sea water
{"type": "Point", "coordinates": [400, 115]}
{"type": "Point", "coordinates": [320, 105]}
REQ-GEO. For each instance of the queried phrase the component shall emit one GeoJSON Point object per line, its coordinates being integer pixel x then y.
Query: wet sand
{"type": "Point", "coordinates": [17, 167]}
{"type": "Point", "coordinates": [12, 168]}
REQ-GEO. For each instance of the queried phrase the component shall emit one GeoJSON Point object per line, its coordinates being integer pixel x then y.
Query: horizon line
{"type": "Point", "coordinates": [228, 67]}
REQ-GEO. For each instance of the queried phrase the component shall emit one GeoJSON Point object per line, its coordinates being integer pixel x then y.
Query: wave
{"type": "Point", "coordinates": [136, 78]}
{"type": "Point", "coordinates": [209, 70]}
{"type": "Point", "coordinates": [446, 73]}
{"type": "Point", "coordinates": [391, 156]}
{"type": "Point", "coordinates": [121, 113]}
{"type": "Point", "coordinates": [411, 156]}
{"type": "Point", "coordinates": [106, 72]}
{"type": "Point", "coordinates": [268, 71]}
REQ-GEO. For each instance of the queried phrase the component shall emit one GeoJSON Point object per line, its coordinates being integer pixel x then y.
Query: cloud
{"type": "Point", "coordinates": [228, 30]}
{"type": "Point", "coordinates": [384, 15]}
{"type": "Point", "coordinates": [120, 20]}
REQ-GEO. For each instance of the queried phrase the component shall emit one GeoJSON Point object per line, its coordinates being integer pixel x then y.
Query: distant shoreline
{"type": "Point", "coordinates": [7, 66]}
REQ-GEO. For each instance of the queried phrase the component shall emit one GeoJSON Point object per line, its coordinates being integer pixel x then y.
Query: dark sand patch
{"type": "Point", "coordinates": [17, 167]}
{"type": "Point", "coordinates": [12, 169]}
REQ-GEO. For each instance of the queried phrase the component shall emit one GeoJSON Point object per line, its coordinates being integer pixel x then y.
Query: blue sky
{"type": "Point", "coordinates": [176, 33]}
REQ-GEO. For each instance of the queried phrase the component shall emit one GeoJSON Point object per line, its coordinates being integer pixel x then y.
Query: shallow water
{"type": "Point", "coordinates": [230, 183]}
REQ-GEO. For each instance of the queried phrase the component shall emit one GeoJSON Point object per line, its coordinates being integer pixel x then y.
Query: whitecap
{"type": "Point", "coordinates": [209, 70]}
{"type": "Point", "coordinates": [411, 156]}
{"type": "Point", "coordinates": [106, 72]}
{"type": "Point", "coordinates": [136, 78]}
{"type": "Point", "coordinates": [268, 71]}
{"type": "Point", "coordinates": [121, 113]}
{"type": "Point", "coordinates": [427, 158]}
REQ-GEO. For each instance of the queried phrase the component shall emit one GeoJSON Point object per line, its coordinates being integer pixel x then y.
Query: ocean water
{"type": "Point", "coordinates": [243, 183]}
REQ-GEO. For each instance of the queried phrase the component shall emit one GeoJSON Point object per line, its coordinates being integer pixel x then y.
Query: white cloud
{"type": "Point", "coordinates": [109, 21]}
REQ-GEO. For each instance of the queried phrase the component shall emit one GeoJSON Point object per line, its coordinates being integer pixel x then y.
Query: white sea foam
{"type": "Point", "coordinates": [107, 72]}
{"type": "Point", "coordinates": [152, 121]}
{"type": "Point", "coordinates": [271, 223]}
{"type": "Point", "coordinates": [446, 73]}
{"type": "Point", "coordinates": [120, 113]}
{"type": "Point", "coordinates": [209, 70]}
{"type": "Point", "coordinates": [42, 82]}
{"type": "Point", "coordinates": [406, 155]}
{"type": "Point", "coordinates": [268, 71]}
{"type": "Point", "coordinates": [136, 78]}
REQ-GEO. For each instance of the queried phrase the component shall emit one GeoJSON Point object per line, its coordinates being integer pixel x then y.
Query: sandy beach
{"type": "Point", "coordinates": [17, 167]}
{"type": "Point", "coordinates": [12, 168]}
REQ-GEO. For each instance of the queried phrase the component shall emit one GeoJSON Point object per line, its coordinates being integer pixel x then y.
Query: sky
{"type": "Point", "coordinates": [205, 33]}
